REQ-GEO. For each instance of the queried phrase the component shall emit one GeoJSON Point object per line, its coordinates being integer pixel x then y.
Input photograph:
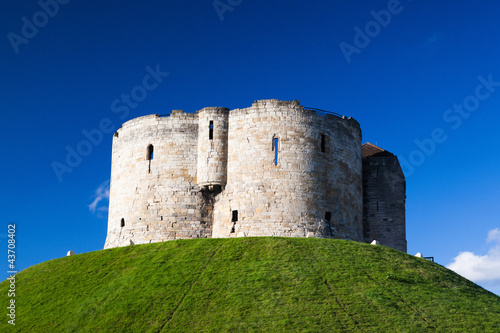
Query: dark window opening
{"type": "Point", "coordinates": [150, 156]}
{"type": "Point", "coordinates": [328, 217]}
{"type": "Point", "coordinates": [234, 219]}
{"type": "Point", "coordinates": [150, 152]}
{"type": "Point", "coordinates": [377, 205]}
{"type": "Point", "coordinates": [122, 223]}
{"type": "Point", "coordinates": [323, 143]}
{"type": "Point", "coordinates": [211, 130]}
{"type": "Point", "coordinates": [276, 148]}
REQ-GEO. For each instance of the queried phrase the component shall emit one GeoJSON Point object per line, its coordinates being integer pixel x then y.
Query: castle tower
{"type": "Point", "coordinates": [212, 147]}
{"type": "Point", "coordinates": [154, 196]}
{"type": "Point", "coordinates": [273, 169]}
{"type": "Point", "coordinates": [291, 172]}
{"type": "Point", "coordinates": [384, 194]}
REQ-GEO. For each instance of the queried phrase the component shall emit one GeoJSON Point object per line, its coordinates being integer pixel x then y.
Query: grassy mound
{"type": "Point", "coordinates": [248, 284]}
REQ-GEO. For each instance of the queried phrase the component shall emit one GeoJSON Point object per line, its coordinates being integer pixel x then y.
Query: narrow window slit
{"type": "Point", "coordinates": [122, 223]}
{"type": "Point", "coordinates": [150, 152]}
{"type": "Point", "coordinates": [234, 219]}
{"type": "Point", "coordinates": [323, 143]}
{"type": "Point", "coordinates": [149, 156]}
{"type": "Point", "coordinates": [328, 218]}
{"type": "Point", "coordinates": [276, 149]}
{"type": "Point", "coordinates": [211, 130]}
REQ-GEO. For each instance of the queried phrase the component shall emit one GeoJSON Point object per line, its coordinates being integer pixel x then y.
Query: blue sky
{"type": "Point", "coordinates": [421, 77]}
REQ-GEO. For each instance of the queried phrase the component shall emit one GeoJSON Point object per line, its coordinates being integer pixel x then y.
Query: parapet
{"type": "Point", "coordinates": [276, 103]}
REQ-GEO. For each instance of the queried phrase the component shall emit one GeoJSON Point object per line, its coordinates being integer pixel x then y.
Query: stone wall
{"type": "Point", "coordinates": [384, 194]}
{"type": "Point", "coordinates": [156, 199]}
{"type": "Point", "coordinates": [273, 169]}
{"type": "Point", "coordinates": [313, 190]}
{"type": "Point", "coordinates": [212, 146]}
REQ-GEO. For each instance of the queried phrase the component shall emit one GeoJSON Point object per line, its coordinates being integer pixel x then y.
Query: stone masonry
{"type": "Point", "coordinates": [272, 169]}
{"type": "Point", "coordinates": [384, 194]}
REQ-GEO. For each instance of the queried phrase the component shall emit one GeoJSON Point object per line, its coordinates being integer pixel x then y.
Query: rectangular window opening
{"type": "Point", "coordinates": [275, 147]}
{"type": "Point", "coordinates": [150, 152]}
{"type": "Point", "coordinates": [328, 216]}
{"type": "Point", "coordinates": [323, 143]}
{"type": "Point", "coordinates": [234, 219]}
{"type": "Point", "coordinates": [211, 130]}
{"type": "Point", "coordinates": [150, 156]}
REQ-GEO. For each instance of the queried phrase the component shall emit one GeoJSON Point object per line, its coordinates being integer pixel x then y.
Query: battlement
{"type": "Point", "coordinates": [276, 103]}
{"type": "Point", "coordinates": [272, 169]}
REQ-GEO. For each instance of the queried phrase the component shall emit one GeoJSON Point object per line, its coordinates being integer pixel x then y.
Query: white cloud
{"type": "Point", "coordinates": [494, 235]}
{"type": "Point", "coordinates": [482, 269]}
{"type": "Point", "coordinates": [101, 193]}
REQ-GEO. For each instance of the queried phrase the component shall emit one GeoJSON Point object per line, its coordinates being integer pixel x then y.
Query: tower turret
{"type": "Point", "coordinates": [212, 147]}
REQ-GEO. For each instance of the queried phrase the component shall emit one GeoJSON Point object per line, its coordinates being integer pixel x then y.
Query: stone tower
{"type": "Point", "coordinates": [291, 172]}
{"type": "Point", "coordinates": [212, 147]}
{"type": "Point", "coordinates": [154, 195]}
{"type": "Point", "coordinates": [384, 196]}
{"type": "Point", "coordinates": [272, 169]}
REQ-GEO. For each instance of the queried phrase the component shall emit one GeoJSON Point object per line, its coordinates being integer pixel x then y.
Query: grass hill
{"type": "Point", "coordinates": [249, 285]}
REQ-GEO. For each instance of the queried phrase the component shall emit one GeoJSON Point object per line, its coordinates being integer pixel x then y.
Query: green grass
{"type": "Point", "coordinates": [248, 285]}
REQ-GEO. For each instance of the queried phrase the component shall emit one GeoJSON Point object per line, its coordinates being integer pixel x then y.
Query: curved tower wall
{"type": "Point", "coordinates": [157, 199]}
{"type": "Point", "coordinates": [212, 146]}
{"type": "Point", "coordinates": [315, 190]}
